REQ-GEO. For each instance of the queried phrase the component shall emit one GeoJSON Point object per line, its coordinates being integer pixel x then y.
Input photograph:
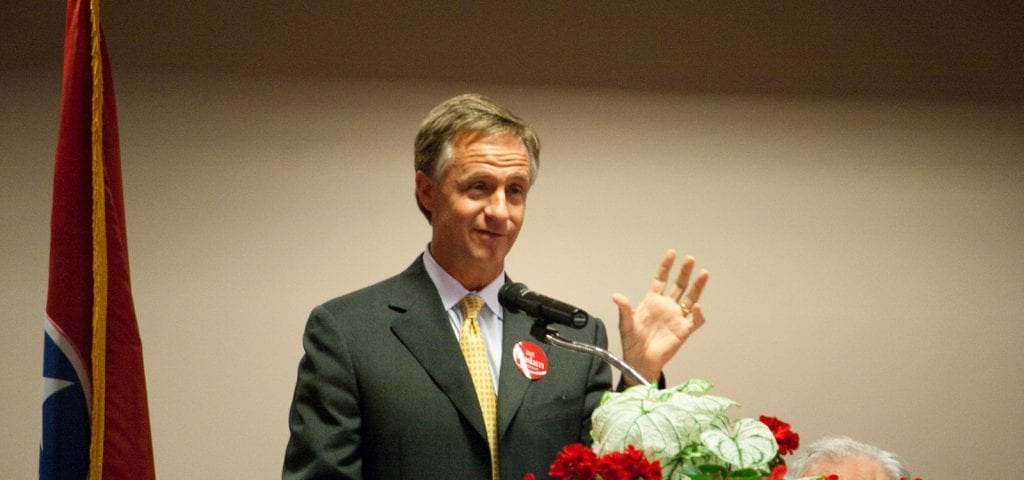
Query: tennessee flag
{"type": "Point", "coordinates": [95, 413]}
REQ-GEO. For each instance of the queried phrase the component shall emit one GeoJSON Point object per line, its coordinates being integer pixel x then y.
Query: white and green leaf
{"type": "Point", "coordinates": [745, 444]}
{"type": "Point", "coordinates": [680, 427]}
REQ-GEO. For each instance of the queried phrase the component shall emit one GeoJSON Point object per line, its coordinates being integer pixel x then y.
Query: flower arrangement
{"type": "Point", "coordinates": [680, 433]}
{"type": "Point", "coordinates": [689, 434]}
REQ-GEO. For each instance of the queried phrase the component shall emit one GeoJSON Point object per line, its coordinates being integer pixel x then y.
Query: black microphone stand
{"type": "Point", "coordinates": [542, 332]}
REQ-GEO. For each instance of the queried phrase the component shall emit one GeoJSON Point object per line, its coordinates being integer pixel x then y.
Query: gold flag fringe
{"type": "Point", "coordinates": [99, 252]}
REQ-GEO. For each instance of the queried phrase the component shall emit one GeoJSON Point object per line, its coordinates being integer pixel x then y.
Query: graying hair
{"type": "Point", "coordinates": [467, 113]}
{"type": "Point", "coordinates": [836, 448]}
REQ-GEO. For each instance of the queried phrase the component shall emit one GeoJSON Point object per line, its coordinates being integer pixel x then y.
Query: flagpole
{"type": "Point", "coordinates": [99, 253]}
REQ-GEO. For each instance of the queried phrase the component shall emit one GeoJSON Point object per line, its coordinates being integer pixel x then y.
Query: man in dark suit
{"type": "Point", "coordinates": [387, 388]}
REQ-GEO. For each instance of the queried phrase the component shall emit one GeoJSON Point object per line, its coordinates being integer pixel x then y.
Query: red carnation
{"type": "Point", "coordinates": [628, 465]}
{"type": "Point", "coordinates": [778, 473]}
{"type": "Point", "coordinates": [575, 462]}
{"type": "Point", "coordinates": [787, 439]}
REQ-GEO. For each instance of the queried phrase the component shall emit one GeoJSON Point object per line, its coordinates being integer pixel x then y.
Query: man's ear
{"type": "Point", "coordinates": [425, 191]}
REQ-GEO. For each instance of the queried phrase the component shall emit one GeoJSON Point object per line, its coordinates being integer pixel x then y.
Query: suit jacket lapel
{"type": "Point", "coordinates": [512, 383]}
{"type": "Point", "coordinates": [423, 326]}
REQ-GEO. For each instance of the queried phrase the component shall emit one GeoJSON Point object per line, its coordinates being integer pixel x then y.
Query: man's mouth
{"type": "Point", "coordinates": [490, 234]}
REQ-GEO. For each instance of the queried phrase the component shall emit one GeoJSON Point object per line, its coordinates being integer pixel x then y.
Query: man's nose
{"type": "Point", "coordinates": [497, 206]}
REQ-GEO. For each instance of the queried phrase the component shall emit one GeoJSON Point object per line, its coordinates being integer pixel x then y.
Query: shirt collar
{"type": "Point", "coordinates": [452, 291]}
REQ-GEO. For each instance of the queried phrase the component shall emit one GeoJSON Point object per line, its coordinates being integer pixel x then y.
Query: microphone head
{"type": "Point", "coordinates": [509, 294]}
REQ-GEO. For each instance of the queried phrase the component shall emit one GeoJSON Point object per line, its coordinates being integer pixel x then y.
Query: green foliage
{"type": "Point", "coordinates": [687, 430]}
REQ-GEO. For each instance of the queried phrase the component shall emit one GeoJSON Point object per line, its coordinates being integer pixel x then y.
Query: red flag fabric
{"type": "Point", "coordinates": [95, 410]}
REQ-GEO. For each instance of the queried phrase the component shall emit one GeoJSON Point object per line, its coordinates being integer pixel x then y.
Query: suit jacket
{"type": "Point", "coordinates": [383, 392]}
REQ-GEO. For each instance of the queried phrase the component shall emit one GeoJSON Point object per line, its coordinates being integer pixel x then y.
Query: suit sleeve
{"type": "Point", "coordinates": [324, 418]}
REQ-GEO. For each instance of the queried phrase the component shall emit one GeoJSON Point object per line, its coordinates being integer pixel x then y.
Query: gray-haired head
{"type": "Point", "coordinates": [835, 449]}
{"type": "Point", "coordinates": [467, 113]}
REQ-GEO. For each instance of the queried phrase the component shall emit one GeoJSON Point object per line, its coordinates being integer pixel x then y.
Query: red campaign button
{"type": "Point", "coordinates": [530, 359]}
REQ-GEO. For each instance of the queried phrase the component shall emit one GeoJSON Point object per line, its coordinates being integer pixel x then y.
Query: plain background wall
{"type": "Point", "coordinates": [865, 257]}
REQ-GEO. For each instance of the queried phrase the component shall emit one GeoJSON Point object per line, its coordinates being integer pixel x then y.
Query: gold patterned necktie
{"type": "Point", "coordinates": [472, 344]}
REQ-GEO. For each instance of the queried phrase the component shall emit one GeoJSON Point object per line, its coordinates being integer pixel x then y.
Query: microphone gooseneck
{"type": "Point", "coordinates": [517, 298]}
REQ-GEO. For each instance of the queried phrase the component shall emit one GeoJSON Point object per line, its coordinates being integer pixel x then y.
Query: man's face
{"type": "Point", "coordinates": [477, 206]}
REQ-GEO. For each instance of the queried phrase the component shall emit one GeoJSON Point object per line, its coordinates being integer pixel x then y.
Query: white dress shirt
{"type": "Point", "coordinates": [490, 317]}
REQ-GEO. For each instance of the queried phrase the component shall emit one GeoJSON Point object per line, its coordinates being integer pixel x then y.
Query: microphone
{"type": "Point", "coordinates": [518, 298]}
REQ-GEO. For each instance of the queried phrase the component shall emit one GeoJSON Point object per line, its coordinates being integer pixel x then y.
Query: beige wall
{"type": "Point", "coordinates": [866, 258]}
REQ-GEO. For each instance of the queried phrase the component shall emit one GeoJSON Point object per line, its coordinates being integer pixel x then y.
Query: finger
{"type": "Point", "coordinates": [683, 279]}
{"type": "Point", "coordinates": [625, 310]}
{"type": "Point", "coordinates": [698, 287]}
{"type": "Point", "coordinates": [661, 276]}
{"type": "Point", "coordinates": [698, 317]}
